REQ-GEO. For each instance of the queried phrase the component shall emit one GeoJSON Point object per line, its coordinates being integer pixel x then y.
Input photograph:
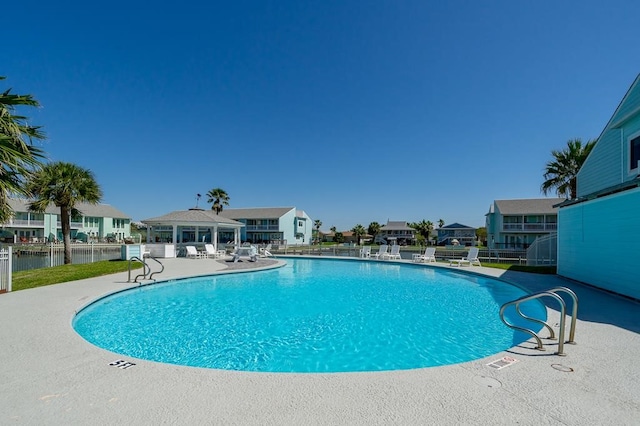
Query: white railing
{"type": "Point", "coordinates": [262, 227]}
{"type": "Point", "coordinates": [26, 222]}
{"type": "Point", "coordinates": [37, 256]}
{"type": "Point", "coordinates": [543, 251]}
{"type": "Point", "coordinates": [5, 270]}
{"type": "Point", "coordinates": [529, 226]}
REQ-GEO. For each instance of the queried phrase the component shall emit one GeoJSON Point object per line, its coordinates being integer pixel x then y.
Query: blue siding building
{"type": "Point", "coordinates": [608, 194]}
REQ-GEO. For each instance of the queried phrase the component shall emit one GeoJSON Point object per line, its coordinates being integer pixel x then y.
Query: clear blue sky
{"type": "Point", "coordinates": [352, 111]}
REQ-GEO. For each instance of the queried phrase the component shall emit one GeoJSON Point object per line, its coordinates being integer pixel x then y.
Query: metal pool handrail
{"type": "Point", "coordinates": [553, 294]}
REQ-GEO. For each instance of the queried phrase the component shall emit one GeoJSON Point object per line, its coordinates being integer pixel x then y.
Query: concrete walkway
{"type": "Point", "coordinates": [50, 376]}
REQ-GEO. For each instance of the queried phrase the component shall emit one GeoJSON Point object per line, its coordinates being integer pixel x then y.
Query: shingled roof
{"type": "Point", "coordinates": [93, 210]}
{"type": "Point", "coordinates": [529, 206]}
{"type": "Point", "coordinates": [256, 213]}
{"type": "Point", "coordinates": [192, 217]}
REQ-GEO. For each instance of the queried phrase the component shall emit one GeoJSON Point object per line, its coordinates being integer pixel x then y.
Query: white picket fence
{"type": "Point", "coordinates": [5, 270]}
{"type": "Point", "coordinates": [35, 256]}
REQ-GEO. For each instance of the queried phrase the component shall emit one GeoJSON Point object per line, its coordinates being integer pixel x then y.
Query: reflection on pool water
{"type": "Point", "coordinates": [313, 315]}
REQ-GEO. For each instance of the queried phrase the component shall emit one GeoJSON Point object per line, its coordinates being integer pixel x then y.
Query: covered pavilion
{"type": "Point", "coordinates": [192, 226]}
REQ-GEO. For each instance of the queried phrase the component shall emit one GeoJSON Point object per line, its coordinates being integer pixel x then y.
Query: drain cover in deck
{"type": "Point", "coordinates": [502, 362]}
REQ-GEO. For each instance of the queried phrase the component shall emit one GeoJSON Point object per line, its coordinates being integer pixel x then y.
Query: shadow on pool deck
{"type": "Point", "coordinates": [594, 305]}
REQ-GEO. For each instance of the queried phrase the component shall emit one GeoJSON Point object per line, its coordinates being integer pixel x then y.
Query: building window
{"type": "Point", "coordinates": [634, 152]}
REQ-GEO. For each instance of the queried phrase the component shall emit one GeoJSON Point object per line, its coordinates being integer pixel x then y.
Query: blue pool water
{"type": "Point", "coordinates": [310, 316]}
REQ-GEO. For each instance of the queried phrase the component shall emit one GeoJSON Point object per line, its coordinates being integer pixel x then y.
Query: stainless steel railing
{"type": "Point", "coordinates": [553, 293]}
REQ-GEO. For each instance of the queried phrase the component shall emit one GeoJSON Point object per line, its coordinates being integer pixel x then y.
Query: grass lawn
{"type": "Point", "coordinates": [59, 274]}
{"type": "Point", "coordinates": [522, 268]}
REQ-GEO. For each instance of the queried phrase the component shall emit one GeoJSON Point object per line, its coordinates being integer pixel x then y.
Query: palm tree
{"type": "Point", "coordinates": [358, 232]}
{"type": "Point", "coordinates": [18, 156]}
{"type": "Point", "coordinates": [219, 198]}
{"type": "Point", "coordinates": [440, 223]}
{"type": "Point", "coordinates": [374, 229]}
{"type": "Point", "coordinates": [317, 223]}
{"type": "Point", "coordinates": [561, 172]}
{"type": "Point", "coordinates": [65, 185]}
{"type": "Point", "coordinates": [423, 228]}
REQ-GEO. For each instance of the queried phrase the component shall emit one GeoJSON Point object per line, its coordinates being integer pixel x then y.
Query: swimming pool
{"type": "Point", "coordinates": [313, 315]}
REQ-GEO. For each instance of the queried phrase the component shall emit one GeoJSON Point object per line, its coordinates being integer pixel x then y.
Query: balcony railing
{"type": "Point", "coordinates": [73, 224]}
{"type": "Point", "coordinates": [529, 226]}
{"type": "Point", "coordinates": [26, 222]}
{"type": "Point", "coordinates": [262, 227]}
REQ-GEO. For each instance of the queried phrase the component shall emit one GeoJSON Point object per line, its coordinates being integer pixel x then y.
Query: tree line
{"type": "Point", "coordinates": [23, 172]}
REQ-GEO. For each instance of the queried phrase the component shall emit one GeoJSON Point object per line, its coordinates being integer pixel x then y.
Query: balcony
{"type": "Point", "coordinates": [262, 227]}
{"type": "Point", "coordinates": [529, 227]}
{"type": "Point", "coordinates": [26, 223]}
{"type": "Point", "coordinates": [73, 224]}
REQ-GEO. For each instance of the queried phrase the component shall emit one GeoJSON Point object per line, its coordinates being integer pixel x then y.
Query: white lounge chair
{"type": "Point", "coordinates": [429, 255]}
{"type": "Point", "coordinates": [393, 254]}
{"type": "Point", "coordinates": [209, 251]}
{"type": "Point", "coordinates": [471, 259]}
{"type": "Point", "coordinates": [265, 252]}
{"type": "Point", "coordinates": [192, 253]}
{"type": "Point", "coordinates": [246, 251]}
{"type": "Point", "coordinates": [365, 252]}
{"type": "Point", "coordinates": [381, 251]}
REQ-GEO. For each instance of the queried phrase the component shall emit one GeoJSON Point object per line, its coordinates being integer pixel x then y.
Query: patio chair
{"type": "Point", "coordinates": [381, 251]}
{"type": "Point", "coordinates": [429, 255]}
{"type": "Point", "coordinates": [365, 252]}
{"type": "Point", "coordinates": [192, 253]}
{"type": "Point", "coordinates": [249, 251]}
{"type": "Point", "coordinates": [393, 254]}
{"type": "Point", "coordinates": [264, 252]}
{"type": "Point", "coordinates": [209, 251]}
{"type": "Point", "coordinates": [471, 259]}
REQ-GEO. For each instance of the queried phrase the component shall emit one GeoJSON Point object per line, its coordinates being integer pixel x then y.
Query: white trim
{"type": "Point", "coordinates": [631, 172]}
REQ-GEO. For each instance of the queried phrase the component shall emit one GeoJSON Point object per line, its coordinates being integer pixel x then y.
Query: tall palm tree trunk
{"type": "Point", "coordinates": [65, 217]}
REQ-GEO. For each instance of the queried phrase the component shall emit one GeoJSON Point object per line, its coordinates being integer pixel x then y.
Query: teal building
{"type": "Point", "coordinates": [599, 231]}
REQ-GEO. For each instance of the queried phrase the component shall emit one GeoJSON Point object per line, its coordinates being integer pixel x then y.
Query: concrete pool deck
{"type": "Point", "coordinates": [50, 376]}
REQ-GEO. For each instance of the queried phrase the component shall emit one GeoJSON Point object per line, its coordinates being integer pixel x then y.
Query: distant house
{"type": "Point", "coordinates": [95, 222]}
{"type": "Point", "coordinates": [608, 193]}
{"type": "Point", "coordinates": [456, 234]}
{"type": "Point", "coordinates": [281, 225]}
{"type": "Point", "coordinates": [396, 232]}
{"type": "Point", "coordinates": [517, 223]}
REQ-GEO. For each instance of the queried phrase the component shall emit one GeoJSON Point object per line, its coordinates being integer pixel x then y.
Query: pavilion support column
{"type": "Point", "coordinates": [214, 238]}
{"type": "Point", "coordinates": [149, 234]}
{"type": "Point", "coordinates": [174, 237]}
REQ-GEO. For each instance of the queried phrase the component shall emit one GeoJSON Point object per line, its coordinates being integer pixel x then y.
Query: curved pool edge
{"type": "Point", "coordinates": [131, 286]}
{"type": "Point", "coordinates": [281, 263]}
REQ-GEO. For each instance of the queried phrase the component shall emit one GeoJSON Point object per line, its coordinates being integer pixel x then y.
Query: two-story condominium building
{"type": "Point", "coordinates": [278, 225]}
{"type": "Point", "coordinates": [608, 193]}
{"type": "Point", "coordinates": [95, 223]}
{"type": "Point", "coordinates": [396, 232]}
{"type": "Point", "coordinates": [462, 234]}
{"type": "Point", "coordinates": [517, 223]}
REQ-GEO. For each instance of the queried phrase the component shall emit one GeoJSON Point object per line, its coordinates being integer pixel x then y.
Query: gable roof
{"type": "Point", "coordinates": [256, 213]}
{"type": "Point", "coordinates": [94, 210]}
{"type": "Point", "coordinates": [396, 226]}
{"type": "Point", "coordinates": [456, 226]}
{"type": "Point", "coordinates": [195, 217]}
{"type": "Point", "coordinates": [529, 206]}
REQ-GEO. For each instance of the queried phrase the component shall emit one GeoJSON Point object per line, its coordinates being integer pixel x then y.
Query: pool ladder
{"type": "Point", "coordinates": [146, 268]}
{"type": "Point", "coordinates": [553, 293]}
